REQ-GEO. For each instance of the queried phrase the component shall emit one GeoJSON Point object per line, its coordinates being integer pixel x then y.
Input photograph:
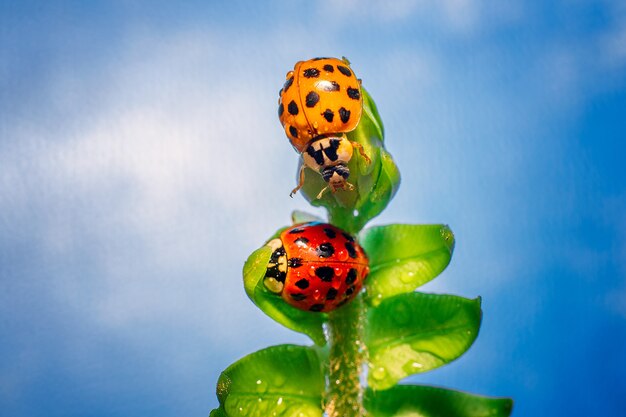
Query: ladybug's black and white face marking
{"type": "Point", "coordinates": [330, 156]}
{"type": "Point", "coordinates": [276, 268]}
{"type": "Point", "coordinates": [316, 267]}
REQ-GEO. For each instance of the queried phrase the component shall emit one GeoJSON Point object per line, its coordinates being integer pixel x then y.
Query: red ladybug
{"type": "Point", "coordinates": [316, 267]}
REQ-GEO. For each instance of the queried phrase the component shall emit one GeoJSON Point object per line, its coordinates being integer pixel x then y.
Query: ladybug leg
{"type": "Point", "coordinates": [300, 184]}
{"type": "Point", "coordinates": [346, 186]}
{"type": "Point", "coordinates": [362, 152]}
{"type": "Point", "coordinates": [323, 191]}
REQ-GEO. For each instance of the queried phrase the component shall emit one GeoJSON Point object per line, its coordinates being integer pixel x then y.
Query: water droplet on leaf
{"type": "Point", "coordinates": [379, 373]}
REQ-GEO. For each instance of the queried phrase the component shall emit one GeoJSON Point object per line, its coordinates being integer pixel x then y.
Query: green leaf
{"type": "Point", "coordinates": [298, 216]}
{"type": "Point", "coordinates": [425, 401]}
{"type": "Point", "coordinates": [285, 380]}
{"type": "Point", "coordinates": [218, 412]}
{"type": "Point", "coordinates": [273, 305]}
{"type": "Point", "coordinates": [375, 183]}
{"type": "Point", "coordinates": [415, 332]}
{"type": "Point", "coordinates": [371, 114]}
{"type": "Point", "coordinates": [403, 257]}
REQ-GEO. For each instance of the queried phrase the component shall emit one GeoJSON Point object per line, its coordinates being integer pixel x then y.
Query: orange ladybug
{"type": "Point", "coordinates": [320, 101]}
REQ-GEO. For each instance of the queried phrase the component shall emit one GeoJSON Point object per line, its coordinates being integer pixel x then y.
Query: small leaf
{"type": "Point", "coordinates": [285, 380]}
{"type": "Point", "coordinates": [218, 412]}
{"type": "Point", "coordinates": [413, 333]}
{"type": "Point", "coordinates": [273, 305]}
{"type": "Point", "coordinates": [426, 401]}
{"type": "Point", "coordinates": [298, 216]}
{"type": "Point", "coordinates": [403, 257]}
{"type": "Point", "coordinates": [372, 115]}
{"type": "Point", "coordinates": [375, 183]}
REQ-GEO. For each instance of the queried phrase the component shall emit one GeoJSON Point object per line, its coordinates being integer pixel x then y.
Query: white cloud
{"type": "Point", "coordinates": [166, 181]}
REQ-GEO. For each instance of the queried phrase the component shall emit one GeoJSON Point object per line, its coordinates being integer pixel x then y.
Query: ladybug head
{"type": "Point", "coordinates": [336, 175]}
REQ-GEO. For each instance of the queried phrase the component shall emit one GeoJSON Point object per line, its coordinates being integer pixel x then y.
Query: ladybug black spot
{"type": "Point", "coordinates": [301, 241]}
{"type": "Point", "coordinates": [348, 237]}
{"type": "Point", "coordinates": [331, 151]}
{"type": "Point", "coordinates": [287, 85]}
{"type": "Point", "coordinates": [293, 131]}
{"type": "Point", "coordinates": [281, 110]}
{"type": "Point", "coordinates": [303, 284]}
{"type": "Point", "coordinates": [311, 73]}
{"type": "Point", "coordinates": [331, 294]}
{"type": "Point", "coordinates": [345, 71]}
{"type": "Point", "coordinates": [325, 273]}
{"type": "Point", "coordinates": [328, 85]}
{"type": "Point", "coordinates": [349, 291]}
{"type": "Point", "coordinates": [351, 250]}
{"type": "Point", "coordinates": [318, 58]}
{"type": "Point", "coordinates": [329, 68]}
{"type": "Point", "coordinates": [316, 307]}
{"type": "Point", "coordinates": [354, 93]}
{"type": "Point", "coordinates": [312, 98]}
{"type": "Point", "coordinates": [273, 272]}
{"type": "Point", "coordinates": [317, 155]}
{"type": "Point", "coordinates": [277, 254]}
{"type": "Point", "coordinates": [328, 115]}
{"type": "Point", "coordinates": [293, 108]}
{"type": "Point", "coordinates": [330, 233]}
{"type": "Point", "coordinates": [351, 277]}
{"type": "Point", "coordinates": [294, 262]}
{"type": "Point", "coordinates": [298, 296]}
{"type": "Point", "coordinates": [344, 115]}
{"type": "Point", "coordinates": [325, 250]}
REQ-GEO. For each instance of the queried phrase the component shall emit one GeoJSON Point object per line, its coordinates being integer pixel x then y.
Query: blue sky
{"type": "Point", "coordinates": [141, 161]}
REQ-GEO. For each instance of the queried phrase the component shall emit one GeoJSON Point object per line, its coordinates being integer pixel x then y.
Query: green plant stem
{"type": "Point", "coordinates": [348, 356]}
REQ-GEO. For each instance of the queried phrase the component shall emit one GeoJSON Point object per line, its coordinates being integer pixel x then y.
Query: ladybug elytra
{"type": "Point", "coordinates": [321, 101]}
{"type": "Point", "coordinates": [316, 267]}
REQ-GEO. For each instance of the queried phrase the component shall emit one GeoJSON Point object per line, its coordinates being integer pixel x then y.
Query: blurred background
{"type": "Point", "coordinates": [142, 161]}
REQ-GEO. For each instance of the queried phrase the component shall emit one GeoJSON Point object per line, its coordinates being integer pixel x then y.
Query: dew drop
{"type": "Point", "coordinates": [261, 386]}
{"type": "Point", "coordinates": [412, 367]}
{"type": "Point", "coordinates": [279, 408]}
{"type": "Point", "coordinates": [407, 278]}
{"type": "Point", "coordinates": [379, 373]}
{"type": "Point", "coordinates": [279, 380]}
